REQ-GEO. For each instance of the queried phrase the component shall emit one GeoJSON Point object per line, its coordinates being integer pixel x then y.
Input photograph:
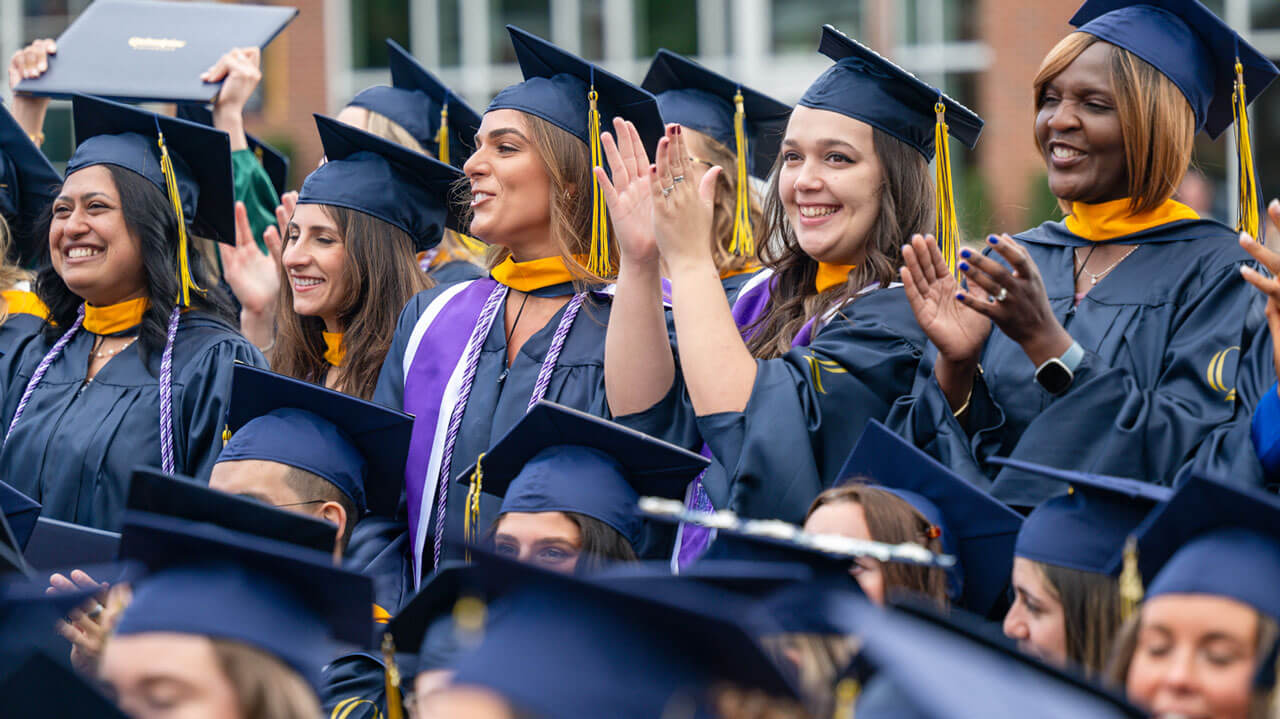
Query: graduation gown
{"type": "Point", "coordinates": [1162, 335]}
{"type": "Point", "coordinates": [808, 407]}
{"type": "Point", "coordinates": [733, 283]}
{"type": "Point", "coordinates": [500, 395]}
{"type": "Point", "coordinates": [75, 449]}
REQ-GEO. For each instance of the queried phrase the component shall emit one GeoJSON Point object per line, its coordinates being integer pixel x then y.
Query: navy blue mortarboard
{"type": "Point", "coordinates": [629, 655]}
{"type": "Point", "coordinates": [56, 544]}
{"type": "Point", "coordinates": [29, 613]}
{"type": "Point", "coordinates": [426, 624]}
{"type": "Point", "coordinates": [975, 527]}
{"type": "Point", "coordinates": [424, 107]}
{"type": "Point", "coordinates": [947, 668]}
{"type": "Point", "coordinates": [1187, 43]}
{"type": "Point", "coordinates": [582, 99]}
{"type": "Point", "coordinates": [383, 180]}
{"type": "Point", "coordinates": [275, 163]}
{"type": "Point", "coordinates": [749, 579]}
{"type": "Point", "coordinates": [40, 686]}
{"type": "Point", "coordinates": [358, 446]}
{"type": "Point", "coordinates": [20, 511]}
{"type": "Point", "coordinates": [558, 459]}
{"type": "Point", "coordinates": [700, 99]}
{"type": "Point", "coordinates": [154, 492]}
{"type": "Point", "coordinates": [109, 133]}
{"type": "Point", "coordinates": [28, 185]}
{"type": "Point", "coordinates": [1213, 538]}
{"type": "Point", "coordinates": [869, 88]}
{"type": "Point", "coordinates": [282, 599]}
{"type": "Point", "coordinates": [1085, 528]}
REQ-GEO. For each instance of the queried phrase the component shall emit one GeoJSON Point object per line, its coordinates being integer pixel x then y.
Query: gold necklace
{"type": "Point", "coordinates": [103, 354]}
{"type": "Point", "coordinates": [1093, 278]}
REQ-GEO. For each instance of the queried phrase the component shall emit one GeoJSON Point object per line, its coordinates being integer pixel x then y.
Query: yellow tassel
{"type": "Point", "coordinates": [1130, 581]}
{"type": "Point", "coordinates": [1244, 148]}
{"type": "Point", "coordinates": [598, 260]}
{"type": "Point", "coordinates": [947, 234]}
{"type": "Point", "coordinates": [184, 262]}
{"type": "Point", "coordinates": [744, 243]}
{"type": "Point", "coordinates": [395, 707]}
{"type": "Point", "coordinates": [471, 516]}
{"type": "Point", "coordinates": [226, 434]}
{"type": "Point", "coordinates": [847, 691]}
{"type": "Point", "coordinates": [442, 136]}
{"type": "Point", "coordinates": [471, 244]}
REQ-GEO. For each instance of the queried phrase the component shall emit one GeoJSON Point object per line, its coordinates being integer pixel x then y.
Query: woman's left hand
{"type": "Point", "coordinates": [682, 214]}
{"type": "Point", "coordinates": [1016, 299]}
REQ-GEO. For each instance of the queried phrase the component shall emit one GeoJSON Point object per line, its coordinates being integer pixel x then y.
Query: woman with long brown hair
{"type": "Point", "coordinates": [1119, 329]}
{"type": "Point", "coordinates": [469, 359]}
{"type": "Point", "coordinates": [783, 382]}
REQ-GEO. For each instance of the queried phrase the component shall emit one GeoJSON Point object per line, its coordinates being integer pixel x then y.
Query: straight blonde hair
{"type": "Point", "coordinates": [265, 687]}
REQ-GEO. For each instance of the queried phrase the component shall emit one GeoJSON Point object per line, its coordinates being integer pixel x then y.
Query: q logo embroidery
{"type": "Point", "coordinates": [1213, 374]}
{"type": "Point", "coordinates": [346, 706]}
{"type": "Point", "coordinates": [817, 367]}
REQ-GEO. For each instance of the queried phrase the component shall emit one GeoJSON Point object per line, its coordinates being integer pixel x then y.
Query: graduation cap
{"type": "Point", "coordinates": [56, 544]}
{"type": "Point", "coordinates": [582, 99]}
{"type": "Point", "coordinates": [746, 578]}
{"type": "Point", "coordinates": [20, 511]}
{"type": "Point", "coordinates": [188, 162]}
{"type": "Point", "coordinates": [40, 686]}
{"type": "Point", "coordinates": [748, 122]}
{"type": "Point", "coordinates": [154, 492]}
{"type": "Point", "coordinates": [425, 624]}
{"type": "Point", "coordinates": [425, 107]}
{"type": "Point", "coordinates": [1217, 70]}
{"type": "Point", "coordinates": [947, 668]}
{"type": "Point", "coordinates": [975, 527]}
{"type": "Point", "coordinates": [280, 598]}
{"type": "Point", "coordinates": [1212, 538]}
{"type": "Point", "coordinates": [558, 459]}
{"type": "Point", "coordinates": [275, 163]}
{"type": "Point", "coordinates": [629, 655]}
{"type": "Point", "coordinates": [1085, 528]}
{"type": "Point", "coordinates": [869, 88]}
{"type": "Point", "coordinates": [383, 180]}
{"type": "Point", "coordinates": [358, 446]}
{"type": "Point", "coordinates": [29, 615]}
{"type": "Point", "coordinates": [28, 185]}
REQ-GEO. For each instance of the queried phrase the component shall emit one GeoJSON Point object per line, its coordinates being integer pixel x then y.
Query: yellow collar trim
{"type": "Point", "coordinates": [1109, 220]}
{"type": "Point", "coordinates": [335, 351]}
{"type": "Point", "coordinates": [830, 275]}
{"type": "Point", "coordinates": [532, 275]}
{"type": "Point", "coordinates": [115, 318]}
{"type": "Point", "coordinates": [20, 302]}
{"type": "Point", "coordinates": [751, 267]}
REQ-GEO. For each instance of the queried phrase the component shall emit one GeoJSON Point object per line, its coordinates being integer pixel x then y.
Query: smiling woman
{"type": "Point", "coordinates": [134, 364]}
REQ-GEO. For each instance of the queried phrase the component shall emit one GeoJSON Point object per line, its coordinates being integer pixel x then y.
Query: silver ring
{"type": "Point", "coordinates": [1004, 294]}
{"type": "Point", "coordinates": [96, 611]}
{"type": "Point", "coordinates": [668, 190]}
{"type": "Point", "coordinates": [676, 179]}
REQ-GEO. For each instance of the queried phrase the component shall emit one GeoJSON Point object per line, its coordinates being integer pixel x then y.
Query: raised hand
{"type": "Point", "coordinates": [88, 626]}
{"type": "Point", "coordinates": [239, 72]}
{"type": "Point", "coordinates": [30, 62]}
{"type": "Point", "coordinates": [627, 194]}
{"type": "Point", "coordinates": [682, 214]}
{"type": "Point", "coordinates": [952, 326]}
{"type": "Point", "coordinates": [254, 278]}
{"type": "Point", "coordinates": [1269, 286]}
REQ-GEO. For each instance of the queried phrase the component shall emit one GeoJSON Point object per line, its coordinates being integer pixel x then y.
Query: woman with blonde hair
{"type": "Point", "coordinates": [1120, 329]}
{"type": "Point", "coordinates": [469, 359]}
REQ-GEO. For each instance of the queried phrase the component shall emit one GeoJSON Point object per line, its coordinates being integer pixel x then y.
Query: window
{"type": "Point", "coordinates": [448, 25]}
{"type": "Point", "coordinates": [592, 29]}
{"type": "Point", "coordinates": [672, 24]}
{"type": "Point", "coordinates": [372, 21]}
{"type": "Point", "coordinates": [531, 15]}
{"type": "Point", "coordinates": [796, 24]}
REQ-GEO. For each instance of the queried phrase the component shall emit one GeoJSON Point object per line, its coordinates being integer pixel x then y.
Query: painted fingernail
{"type": "Point", "coordinates": [993, 239]}
{"type": "Point", "coordinates": [960, 297]}
{"type": "Point", "coordinates": [966, 253]}
{"type": "Point", "coordinates": [964, 266]}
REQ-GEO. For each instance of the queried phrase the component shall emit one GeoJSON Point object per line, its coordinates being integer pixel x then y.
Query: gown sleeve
{"type": "Point", "coordinates": [206, 394]}
{"type": "Point", "coordinates": [253, 187]}
{"type": "Point", "coordinates": [355, 687]}
{"type": "Point", "coordinates": [808, 407]}
{"type": "Point", "coordinates": [379, 549]}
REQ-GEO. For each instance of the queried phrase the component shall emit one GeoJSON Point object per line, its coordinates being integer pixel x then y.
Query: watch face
{"type": "Point", "coordinates": [1054, 376]}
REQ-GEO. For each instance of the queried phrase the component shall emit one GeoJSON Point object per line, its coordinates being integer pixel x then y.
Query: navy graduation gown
{"type": "Point", "coordinates": [74, 450]}
{"type": "Point", "coordinates": [379, 549]}
{"type": "Point", "coordinates": [733, 283]}
{"type": "Point", "coordinates": [455, 271]}
{"type": "Point", "coordinates": [808, 407]}
{"type": "Point", "coordinates": [1162, 336]}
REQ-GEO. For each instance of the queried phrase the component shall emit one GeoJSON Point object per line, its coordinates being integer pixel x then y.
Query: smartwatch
{"type": "Point", "coordinates": [1057, 373]}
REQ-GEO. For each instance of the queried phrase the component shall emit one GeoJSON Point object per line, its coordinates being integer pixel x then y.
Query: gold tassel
{"type": "Point", "coordinates": [947, 224]}
{"type": "Point", "coordinates": [395, 707]}
{"type": "Point", "coordinates": [598, 260]}
{"type": "Point", "coordinates": [184, 262]}
{"type": "Point", "coordinates": [442, 135]}
{"type": "Point", "coordinates": [1244, 148]}
{"type": "Point", "coordinates": [847, 691]}
{"type": "Point", "coordinates": [471, 244]}
{"type": "Point", "coordinates": [1130, 581]}
{"type": "Point", "coordinates": [471, 517]}
{"type": "Point", "coordinates": [744, 243]}
{"type": "Point", "coordinates": [226, 434]}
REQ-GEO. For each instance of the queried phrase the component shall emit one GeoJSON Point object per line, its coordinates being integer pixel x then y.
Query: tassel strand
{"type": "Point", "coordinates": [442, 135]}
{"type": "Point", "coordinates": [947, 233]}
{"type": "Point", "coordinates": [1244, 148]}
{"type": "Point", "coordinates": [598, 260]}
{"type": "Point", "coordinates": [185, 279]}
{"type": "Point", "coordinates": [743, 243]}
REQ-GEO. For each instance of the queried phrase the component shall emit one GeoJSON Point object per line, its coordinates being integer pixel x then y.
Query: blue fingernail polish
{"type": "Point", "coordinates": [993, 239]}
{"type": "Point", "coordinates": [960, 297]}
{"type": "Point", "coordinates": [964, 266]}
{"type": "Point", "coordinates": [966, 253]}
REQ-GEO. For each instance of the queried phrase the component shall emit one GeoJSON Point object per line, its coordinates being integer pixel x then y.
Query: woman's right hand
{"type": "Point", "coordinates": [627, 193]}
{"type": "Point", "coordinates": [30, 62]}
{"type": "Point", "coordinates": [1269, 286]}
{"type": "Point", "coordinates": [254, 278]}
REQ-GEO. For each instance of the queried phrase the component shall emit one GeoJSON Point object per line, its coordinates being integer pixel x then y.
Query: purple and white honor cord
{"type": "Point", "coordinates": [485, 322]}
{"type": "Point", "coordinates": [166, 394]}
{"type": "Point", "coordinates": [42, 368]}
